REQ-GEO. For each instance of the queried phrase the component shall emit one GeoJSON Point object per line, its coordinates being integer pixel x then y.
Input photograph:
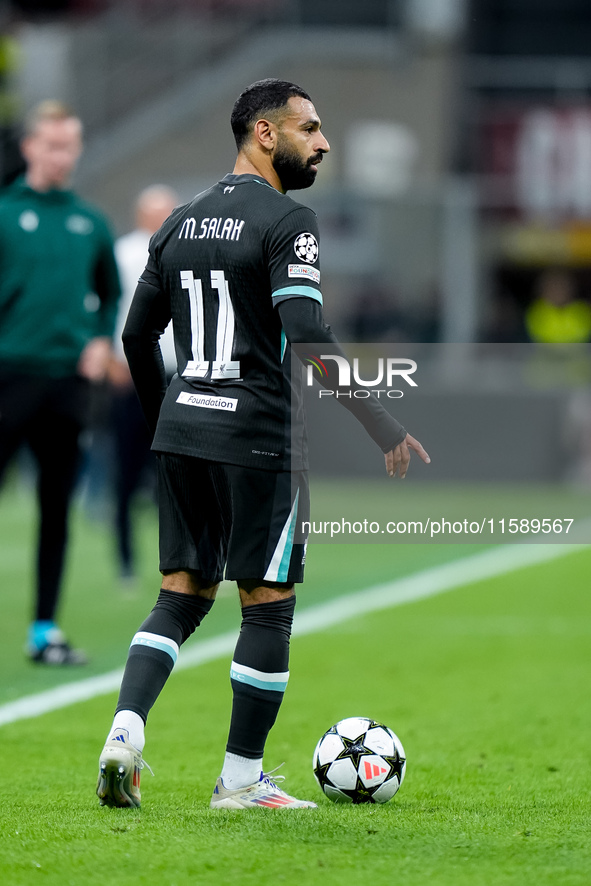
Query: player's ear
{"type": "Point", "coordinates": [265, 134]}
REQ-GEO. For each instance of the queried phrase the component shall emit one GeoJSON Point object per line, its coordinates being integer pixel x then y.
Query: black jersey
{"type": "Point", "coordinates": [222, 264]}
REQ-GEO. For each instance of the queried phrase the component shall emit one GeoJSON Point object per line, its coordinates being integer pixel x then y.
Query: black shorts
{"type": "Point", "coordinates": [226, 521]}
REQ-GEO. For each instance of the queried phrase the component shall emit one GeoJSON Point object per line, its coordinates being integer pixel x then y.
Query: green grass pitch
{"type": "Point", "coordinates": [487, 686]}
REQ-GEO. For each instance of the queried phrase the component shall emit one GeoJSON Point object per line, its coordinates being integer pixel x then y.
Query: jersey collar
{"type": "Point", "coordinates": [246, 178]}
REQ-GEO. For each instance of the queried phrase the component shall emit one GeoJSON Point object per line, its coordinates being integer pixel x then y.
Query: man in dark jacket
{"type": "Point", "coordinates": [58, 299]}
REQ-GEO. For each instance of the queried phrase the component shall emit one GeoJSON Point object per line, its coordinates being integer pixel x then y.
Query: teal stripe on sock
{"type": "Point", "coordinates": [154, 642]}
{"type": "Point", "coordinates": [259, 682]}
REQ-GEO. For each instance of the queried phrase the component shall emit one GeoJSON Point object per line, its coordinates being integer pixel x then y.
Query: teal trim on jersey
{"type": "Point", "coordinates": [283, 344]}
{"type": "Point", "coordinates": [257, 181]}
{"type": "Point", "coordinates": [153, 641]}
{"type": "Point", "coordinates": [273, 682]}
{"type": "Point", "coordinates": [278, 569]}
{"type": "Point", "coordinates": [307, 291]}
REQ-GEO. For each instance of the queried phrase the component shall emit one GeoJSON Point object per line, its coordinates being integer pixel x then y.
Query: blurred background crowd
{"type": "Point", "coordinates": [455, 205]}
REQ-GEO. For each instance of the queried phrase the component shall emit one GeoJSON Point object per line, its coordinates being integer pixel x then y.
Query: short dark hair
{"type": "Point", "coordinates": [258, 100]}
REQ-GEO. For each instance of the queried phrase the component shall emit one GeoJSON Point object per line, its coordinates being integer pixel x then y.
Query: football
{"type": "Point", "coordinates": [359, 760]}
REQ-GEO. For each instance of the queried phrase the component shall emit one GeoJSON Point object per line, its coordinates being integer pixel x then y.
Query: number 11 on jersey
{"type": "Point", "coordinates": [222, 366]}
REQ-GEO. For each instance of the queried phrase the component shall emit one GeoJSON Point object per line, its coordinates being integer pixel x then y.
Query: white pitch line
{"type": "Point", "coordinates": [437, 580]}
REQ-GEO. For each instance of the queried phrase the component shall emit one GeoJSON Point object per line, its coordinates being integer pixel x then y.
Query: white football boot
{"type": "Point", "coordinates": [120, 765]}
{"type": "Point", "coordinates": [264, 794]}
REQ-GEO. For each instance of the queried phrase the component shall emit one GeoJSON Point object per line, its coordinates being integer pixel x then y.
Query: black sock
{"type": "Point", "coordinates": [259, 674]}
{"type": "Point", "coordinates": [155, 647]}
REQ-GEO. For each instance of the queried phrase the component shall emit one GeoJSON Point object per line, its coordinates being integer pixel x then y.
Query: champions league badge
{"type": "Point", "coordinates": [306, 248]}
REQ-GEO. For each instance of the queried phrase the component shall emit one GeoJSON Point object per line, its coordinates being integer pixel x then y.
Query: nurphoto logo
{"type": "Point", "coordinates": [349, 383]}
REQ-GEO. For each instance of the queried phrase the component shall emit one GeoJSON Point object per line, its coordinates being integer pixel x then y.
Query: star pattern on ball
{"type": "Point", "coordinates": [366, 767]}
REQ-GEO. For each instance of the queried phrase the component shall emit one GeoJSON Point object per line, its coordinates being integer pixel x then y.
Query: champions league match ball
{"type": "Point", "coordinates": [359, 761]}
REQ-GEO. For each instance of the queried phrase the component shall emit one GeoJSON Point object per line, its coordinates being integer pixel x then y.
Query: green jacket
{"type": "Point", "coordinates": [59, 285]}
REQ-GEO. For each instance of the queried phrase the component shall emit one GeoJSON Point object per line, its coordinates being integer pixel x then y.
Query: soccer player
{"type": "Point", "coordinates": [59, 289]}
{"type": "Point", "coordinates": [237, 270]}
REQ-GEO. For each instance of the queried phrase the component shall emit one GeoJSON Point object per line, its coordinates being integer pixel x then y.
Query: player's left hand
{"type": "Point", "coordinates": [398, 459]}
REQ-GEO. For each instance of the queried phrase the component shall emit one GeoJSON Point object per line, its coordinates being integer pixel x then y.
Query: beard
{"type": "Point", "coordinates": [294, 173]}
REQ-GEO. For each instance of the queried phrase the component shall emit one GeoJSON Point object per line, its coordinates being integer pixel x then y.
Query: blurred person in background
{"type": "Point", "coordinates": [59, 289]}
{"type": "Point", "coordinates": [557, 314]}
{"type": "Point", "coordinates": [133, 459]}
